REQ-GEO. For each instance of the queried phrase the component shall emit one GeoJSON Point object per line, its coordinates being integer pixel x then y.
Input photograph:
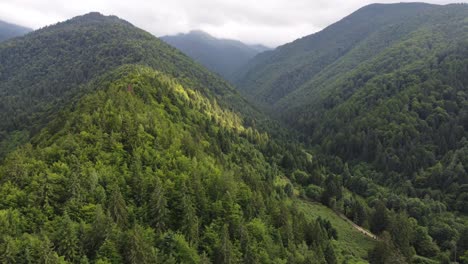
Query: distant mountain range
{"type": "Point", "coordinates": [223, 56]}
{"type": "Point", "coordinates": [8, 30]}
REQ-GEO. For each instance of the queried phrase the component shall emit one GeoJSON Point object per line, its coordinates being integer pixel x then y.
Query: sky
{"type": "Point", "coordinates": [268, 22]}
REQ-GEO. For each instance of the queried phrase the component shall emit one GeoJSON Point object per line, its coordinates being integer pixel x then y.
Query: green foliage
{"type": "Point", "coordinates": [380, 98]}
{"type": "Point", "coordinates": [274, 75]}
{"type": "Point", "coordinates": [51, 67]}
{"type": "Point", "coordinates": [129, 152]}
{"type": "Point", "coordinates": [115, 179]}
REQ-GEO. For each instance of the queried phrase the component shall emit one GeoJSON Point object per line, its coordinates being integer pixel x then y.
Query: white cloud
{"type": "Point", "coordinates": [271, 22]}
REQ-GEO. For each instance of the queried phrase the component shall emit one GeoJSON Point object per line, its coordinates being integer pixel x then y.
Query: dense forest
{"type": "Point", "coordinates": [385, 103]}
{"type": "Point", "coordinates": [223, 56]}
{"type": "Point", "coordinates": [47, 69]}
{"type": "Point", "coordinates": [328, 54]}
{"type": "Point", "coordinates": [117, 148]}
{"type": "Point", "coordinates": [147, 171]}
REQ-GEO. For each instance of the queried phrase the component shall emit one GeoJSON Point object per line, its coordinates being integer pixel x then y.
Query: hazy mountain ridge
{"type": "Point", "coordinates": [223, 56]}
{"type": "Point", "coordinates": [8, 30]}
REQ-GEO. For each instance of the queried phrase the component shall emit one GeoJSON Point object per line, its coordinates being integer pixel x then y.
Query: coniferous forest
{"type": "Point", "coordinates": [349, 145]}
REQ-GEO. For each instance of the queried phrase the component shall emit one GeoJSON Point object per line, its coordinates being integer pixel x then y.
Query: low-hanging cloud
{"type": "Point", "coordinates": [270, 22]}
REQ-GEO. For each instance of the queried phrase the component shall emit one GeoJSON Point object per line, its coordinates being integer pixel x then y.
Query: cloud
{"type": "Point", "coordinates": [270, 22]}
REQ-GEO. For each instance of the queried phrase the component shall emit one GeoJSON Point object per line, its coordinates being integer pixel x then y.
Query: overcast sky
{"type": "Point", "coordinates": [269, 22]}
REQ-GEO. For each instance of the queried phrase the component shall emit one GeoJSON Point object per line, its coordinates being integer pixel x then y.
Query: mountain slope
{"type": "Point", "coordinates": [404, 112]}
{"type": "Point", "coordinates": [222, 56]}
{"type": "Point", "coordinates": [275, 74]}
{"type": "Point", "coordinates": [144, 170]}
{"type": "Point", "coordinates": [382, 95]}
{"type": "Point", "coordinates": [394, 97]}
{"type": "Point", "coordinates": [8, 30]}
{"type": "Point", "coordinates": [48, 67]}
{"type": "Point", "coordinates": [137, 155]}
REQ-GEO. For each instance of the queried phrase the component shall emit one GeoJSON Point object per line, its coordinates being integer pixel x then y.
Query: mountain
{"type": "Point", "coordinates": [223, 56]}
{"type": "Point", "coordinates": [118, 148]}
{"type": "Point", "coordinates": [145, 170]}
{"type": "Point", "coordinates": [383, 95]}
{"type": "Point", "coordinates": [8, 30]}
{"type": "Point", "coordinates": [136, 154]}
{"type": "Point", "coordinates": [273, 75]}
{"type": "Point", "coordinates": [50, 66]}
{"type": "Point", "coordinates": [386, 85]}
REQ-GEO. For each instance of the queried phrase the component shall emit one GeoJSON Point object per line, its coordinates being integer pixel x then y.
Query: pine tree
{"type": "Point", "coordinates": [157, 208]}
{"type": "Point", "coordinates": [225, 252]}
{"type": "Point", "coordinates": [138, 247]}
{"type": "Point", "coordinates": [46, 252]}
{"type": "Point", "coordinates": [66, 239]}
{"type": "Point", "coordinates": [380, 218]}
{"type": "Point", "coordinates": [109, 252]}
{"type": "Point", "coordinates": [98, 233]}
{"type": "Point", "coordinates": [117, 207]}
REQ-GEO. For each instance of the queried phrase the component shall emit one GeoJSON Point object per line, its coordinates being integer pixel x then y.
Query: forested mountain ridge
{"type": "Point", "coordinates": [8, 30]}
{"type": "Point", "coordinates": [274, 74]}
{"type": "Point", "coordinates": [405, 110]}
{"type": "Point", "coordinates": [223, 56]}
{"type": "Point", "coordinates": [396, 98]}
{"type": "Point", "coordinates": [144, 170]}
{"type": "Point", "coordinates": [137, 155]}
{"type": "Point", "coordinates": [382, 94]}
{"type": "Point", "coordinates": [140, 155]}
{"type": "Point", "coordinates": [43, 71]}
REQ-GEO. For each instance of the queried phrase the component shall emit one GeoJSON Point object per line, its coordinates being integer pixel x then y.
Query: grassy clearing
{"type": "Point", "coordinates": [351, 245]}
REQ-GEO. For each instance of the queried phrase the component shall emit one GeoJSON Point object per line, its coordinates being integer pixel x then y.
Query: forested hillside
{"type": "Point", "coordinates": [117, 148]}
{"type": "Point", "coordinates": [404, 111]}
{"type": "Point", "coordinates": [397, 101]}
{"type": "Point", "coordinates": [8, 30]}
{"type": "Point", "coordinates": [147, 171]}
{"type": "Point", "coordinates": [223, 56]}
{"type": "Point", "coordinates": [382, 95]}
{"type": "Point", "coordinates": [275, 74]}
{"type": "Point", "coordinates": [42, 72]}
